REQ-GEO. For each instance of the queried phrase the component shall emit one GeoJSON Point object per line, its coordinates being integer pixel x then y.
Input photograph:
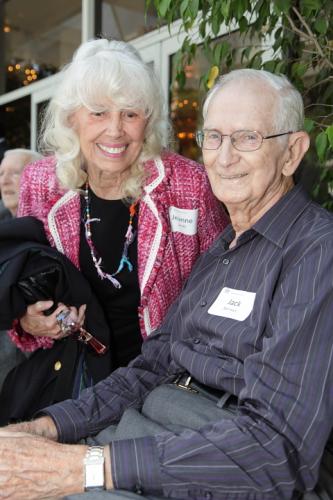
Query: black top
{"type": "Point", "coordinates": [120, 305]}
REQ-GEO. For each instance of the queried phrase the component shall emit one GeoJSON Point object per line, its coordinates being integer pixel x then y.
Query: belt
{"type": "Point", "coordinates": [223, 399]}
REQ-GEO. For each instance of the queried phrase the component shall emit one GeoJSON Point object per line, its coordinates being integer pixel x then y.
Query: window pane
{"type": "Point", "coordinates": [125, 19]}
{"type": "Point", "coordinates": [37, 38]}
{"type": "Point", "coordinates": [186, 103]}
{"type": "Point", "coordinates": [185, 106]}
{"type": "Point", "coordinates": [15, 119]}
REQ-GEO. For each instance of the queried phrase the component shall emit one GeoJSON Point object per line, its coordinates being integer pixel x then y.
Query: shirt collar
{"type": "Point", "coordinates": [275, 224]}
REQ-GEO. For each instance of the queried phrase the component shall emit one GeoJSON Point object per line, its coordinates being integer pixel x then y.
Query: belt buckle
{"type": "Point", "coordinates": [185, 385]}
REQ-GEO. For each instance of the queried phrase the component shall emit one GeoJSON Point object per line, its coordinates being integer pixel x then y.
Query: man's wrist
{"type": "Point", "coordinates": [108, 468]}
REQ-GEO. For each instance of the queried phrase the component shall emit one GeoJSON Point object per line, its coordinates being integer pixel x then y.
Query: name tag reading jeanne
{"type": "Point", "coordinates": [233, 304]}
{"type": "Point", "coordinates": [184, 220]}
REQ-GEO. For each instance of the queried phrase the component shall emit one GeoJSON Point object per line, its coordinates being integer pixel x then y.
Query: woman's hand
{"type": "Point", "coordinates": [36, 323]}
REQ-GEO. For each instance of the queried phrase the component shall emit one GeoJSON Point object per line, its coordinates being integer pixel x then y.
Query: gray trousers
{"type": "Point", "coordinates": [166, 408]}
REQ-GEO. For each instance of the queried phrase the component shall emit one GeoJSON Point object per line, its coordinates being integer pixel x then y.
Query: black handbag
{"type": "Point", "coordinates": [31, 270]}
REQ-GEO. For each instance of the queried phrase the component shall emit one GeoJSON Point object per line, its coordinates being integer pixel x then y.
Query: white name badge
{"type": "Point", "coordinates": [233, 304]}
{"type": "Point", "coordinates": [183, 220]}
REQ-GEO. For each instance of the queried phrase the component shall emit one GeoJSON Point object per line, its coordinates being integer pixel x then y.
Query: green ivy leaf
{"type": "Point", "coordinates": [220, 52]}
{"type": "Point", "coordinates": [243, 24]}
{"type": "Point", "coordinates": [299, 69]}
{"type": "Point", "coordinates": [193, 8]}
{"type": "Point", "coordinates": [278, 34]}
{"type": "Point", "coordinates": [163, 7]}
{"type": "Point", "coordinates": [225, 8]}
{"type": "Point", "coordinates": [282, 5]}
{"type": "Point", "coordinates": [181, 79]}
{"type": "Point", "coordinates": [183, 7]}
{"type": "Point", "coordinates": [270, 66]}
{"type": "Point", "coordinates": [202, 29]}
{"type": "Point", "coordinates": [321, 25]}
{"type": "Point", "coordinates": [311, 4]}
{"type": "Point", "coordinates": [245, 54]}
{"type": "Point", "coordinates": [308, 125]}
{"type": "Point", "coordinates": [329, 133]}
{"type": "Point", "coordinates": [280, 67]}
{"type": "Point", "coordinates": [216, 25]}
{"type": "Point", "coordinates": [258, 5]}
{"type": "Point", "coordinates": [239, 8]}
{"type": "Point", "coordinates": [321, 145]}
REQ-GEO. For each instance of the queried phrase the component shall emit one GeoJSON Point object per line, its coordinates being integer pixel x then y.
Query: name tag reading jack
{"type": "Point", "coordinates": [233, 304]}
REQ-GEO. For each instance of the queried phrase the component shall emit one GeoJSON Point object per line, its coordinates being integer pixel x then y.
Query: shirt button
{"type": "Point", "coordinates": [225, 261]}
{"type": "Point", "coordinates": [138, 490]}
{"type": "Point", "coordinates": [196, 341]}
{"type": "Point", "coordinates": [57, 366]}
{"type": "Point", "coordinates": [203, 303]}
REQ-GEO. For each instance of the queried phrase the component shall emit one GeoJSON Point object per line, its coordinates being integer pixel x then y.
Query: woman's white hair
{"type": "Point", "coordinates": [102, 71]}
{"type": "Point", "coordinates": [289, 110]}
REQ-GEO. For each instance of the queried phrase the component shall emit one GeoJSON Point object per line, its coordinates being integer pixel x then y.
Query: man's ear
{"type": "Point", "coordinates": [298, 144]}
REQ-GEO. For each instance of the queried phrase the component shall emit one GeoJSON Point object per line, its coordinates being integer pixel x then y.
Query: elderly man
{"type": "Point", "coordinates": [231, 397]}
{"type": "Point", "coordinates": [11, 167]}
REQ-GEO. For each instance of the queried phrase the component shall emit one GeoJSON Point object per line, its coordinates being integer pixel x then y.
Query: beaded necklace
{"type": "Point", "coordinates": [129, 238]}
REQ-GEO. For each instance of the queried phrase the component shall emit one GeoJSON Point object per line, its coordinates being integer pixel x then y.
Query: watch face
{"type": "Point", "coordinates": [94, 468]}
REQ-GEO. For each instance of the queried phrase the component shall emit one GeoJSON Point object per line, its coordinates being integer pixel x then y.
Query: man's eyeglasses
{"type": "Point", "coordinates": [242, 140]}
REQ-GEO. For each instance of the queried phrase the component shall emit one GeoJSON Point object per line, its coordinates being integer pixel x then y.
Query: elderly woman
{"type": "Point", "coordinates": [132, 216]}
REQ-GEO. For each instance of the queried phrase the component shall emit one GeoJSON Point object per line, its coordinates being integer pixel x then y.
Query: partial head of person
{"type": "Point", "coordinates": [252, 140]}
{"type": "Point", "coordinates": [11, 168]}
{"type": "Point", "coordinates": [107, 116]}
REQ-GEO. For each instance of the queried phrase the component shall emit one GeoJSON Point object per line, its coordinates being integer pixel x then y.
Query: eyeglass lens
{"type": "Point", "coordinates": [243, 140]}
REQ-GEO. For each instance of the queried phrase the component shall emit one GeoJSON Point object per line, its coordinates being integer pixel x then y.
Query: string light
{"type": "Point", "coordinates": [23, 71]}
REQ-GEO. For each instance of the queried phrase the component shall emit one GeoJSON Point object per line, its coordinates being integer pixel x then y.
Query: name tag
{"type": "Point", "coordinates": [183, 220]}
{"type": "Point", "coordinates": [233, 304]}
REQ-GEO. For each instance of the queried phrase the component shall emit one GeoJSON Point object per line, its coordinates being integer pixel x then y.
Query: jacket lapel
{"type": "Point", "coordinates": [153, 228]}
{"type": "Point", "coordinates": [64, 225]}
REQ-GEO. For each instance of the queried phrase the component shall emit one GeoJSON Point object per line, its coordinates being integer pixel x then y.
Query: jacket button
{"type": "Point", "coordinates": [57, 366]}
{"type": "Point", "coordinates": [203, 303]}
{"type": "Point", "coordinates": [196, 341]}
{"type": "Point", "coordinates": [225, 262]}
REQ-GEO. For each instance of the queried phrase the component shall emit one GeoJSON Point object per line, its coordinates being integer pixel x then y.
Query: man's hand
{"type": "Point", "coordinates": [36, 323]}
{"type": "Point", "coordinates": [32, 467]}
{"type": "Point", "coordinates": [43, 426]}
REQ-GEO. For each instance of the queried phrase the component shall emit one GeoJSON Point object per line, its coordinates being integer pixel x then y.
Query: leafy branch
{"type": "Point", "coordinates": [298, 33]}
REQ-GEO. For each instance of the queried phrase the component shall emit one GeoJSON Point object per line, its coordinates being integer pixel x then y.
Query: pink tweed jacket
{"type": "Point", "coordinates": [179, 218]}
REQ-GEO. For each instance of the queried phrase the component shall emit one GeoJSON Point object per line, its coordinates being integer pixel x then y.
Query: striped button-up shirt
{"type": "Point", "coordinates": [254, 320]}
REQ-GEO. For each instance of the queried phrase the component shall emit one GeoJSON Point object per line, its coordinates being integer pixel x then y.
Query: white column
{"type": "Point", "coordinates": [88, 20]}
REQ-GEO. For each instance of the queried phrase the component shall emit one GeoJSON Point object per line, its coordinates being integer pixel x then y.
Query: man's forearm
{"type": "Point", "coordinates": [43, 426]}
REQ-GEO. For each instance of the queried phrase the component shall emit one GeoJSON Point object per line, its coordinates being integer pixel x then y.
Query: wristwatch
{"type": "Point", "coordinates": [94, 469]}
